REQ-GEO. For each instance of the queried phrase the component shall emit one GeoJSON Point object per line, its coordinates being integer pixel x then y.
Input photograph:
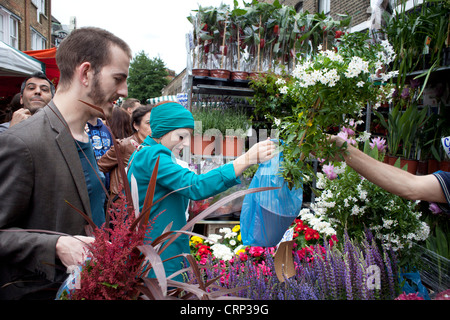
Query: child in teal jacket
{"type": "Point", "coordinates": [172, 125]}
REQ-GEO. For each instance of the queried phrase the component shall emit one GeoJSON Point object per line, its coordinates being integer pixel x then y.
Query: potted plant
{"type": "Point", "coordinates": [412, 128]}
{"type": "Point", "coordinates": [403, 134]}
{"type": "Point", "coordinates": [207, 135]}
{"type": "Point", "coordinates": [235, 125]}
{"type": "Point", "coordinates": [219, 130]}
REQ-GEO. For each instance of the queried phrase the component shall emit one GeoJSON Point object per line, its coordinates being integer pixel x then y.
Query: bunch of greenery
{"type": "Point", "coordinates": [326, 89]}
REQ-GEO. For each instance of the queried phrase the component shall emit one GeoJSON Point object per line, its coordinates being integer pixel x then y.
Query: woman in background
{"type": "Point", "coordinates": [140, 123]}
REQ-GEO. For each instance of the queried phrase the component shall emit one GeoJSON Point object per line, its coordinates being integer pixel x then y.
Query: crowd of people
{"type": "Point", "coordinates": [59, 150]}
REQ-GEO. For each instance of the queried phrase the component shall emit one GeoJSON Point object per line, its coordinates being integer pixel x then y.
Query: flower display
{"type": "Point", "coordinates": [349, 202]}
{"type": "Point", "coordinates": [325, 90]}
{"type": "Point", "coordinates": [321, 272]}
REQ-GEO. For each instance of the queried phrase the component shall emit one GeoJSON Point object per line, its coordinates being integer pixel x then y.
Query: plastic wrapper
{"type": "Point", "coordinates": [266, 215]}
{"type": "Point", "coordinates": [71, 283]}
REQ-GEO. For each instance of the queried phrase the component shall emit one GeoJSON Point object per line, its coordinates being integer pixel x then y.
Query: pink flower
{"type": "Point", "coordinates": [256, 251]}
{"type": "Point", "coordinates": [409, 296]}
{"type": "Point", "coordinates": [349, 131]}
{"type": "Point", "coordinates": [434, 208]}
{"type": "Point", "coordinates": [344, 135]}
{"type": "Point", "coordinates": [379, 143]}
{"type": "Point", "coordinates": [329, 171]}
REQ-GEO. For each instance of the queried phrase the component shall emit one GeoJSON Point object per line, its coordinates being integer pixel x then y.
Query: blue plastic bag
{"type": "Point", "coordinates": [266, 215]}
{"type": "Point", "coordinates": [412, 283]}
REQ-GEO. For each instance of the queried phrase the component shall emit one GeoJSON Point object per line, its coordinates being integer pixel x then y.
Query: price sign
{"type": "Point", "coordinates": [446, 145]}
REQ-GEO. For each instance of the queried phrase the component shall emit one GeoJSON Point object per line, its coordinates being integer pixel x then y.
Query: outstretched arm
{"type": "Point", "coordinates": [393, 179]}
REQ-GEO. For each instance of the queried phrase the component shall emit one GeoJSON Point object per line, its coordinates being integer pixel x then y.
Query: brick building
{"type": "Point", "coordinates": [26, 24]}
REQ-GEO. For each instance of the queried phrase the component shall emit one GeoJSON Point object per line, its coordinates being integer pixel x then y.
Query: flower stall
{"type": "Point", "coordinates": [310, 79]}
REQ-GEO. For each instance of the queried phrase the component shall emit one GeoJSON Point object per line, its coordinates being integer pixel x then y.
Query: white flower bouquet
{"type": "Point", "coordinates": [326, 89]}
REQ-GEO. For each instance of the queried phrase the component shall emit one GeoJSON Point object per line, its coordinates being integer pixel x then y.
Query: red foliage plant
{"type": "Point", "coordinates": [114, 266]}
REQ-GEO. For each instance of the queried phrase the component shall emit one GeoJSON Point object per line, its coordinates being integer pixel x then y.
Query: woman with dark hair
{"type": "Point", "coordinates": [140, 123]}
{"type": "Point", "coordinates": [120, 123]}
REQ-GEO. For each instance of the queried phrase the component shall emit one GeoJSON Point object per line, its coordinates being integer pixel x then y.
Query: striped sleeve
{"type": "Point", "coordinates": [444, 180]}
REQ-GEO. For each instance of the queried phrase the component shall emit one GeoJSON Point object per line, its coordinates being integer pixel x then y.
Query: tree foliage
{"type": "Point", "coordinates": [147, 77]}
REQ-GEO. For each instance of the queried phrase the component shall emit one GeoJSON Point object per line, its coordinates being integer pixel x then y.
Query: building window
{"type": "Point", "coordinates": [13, 33]}
{"type": "Point", "coordinates": [38, 42]}
{"type": "Point", "coordinates": [40, 5]}
{"type": "Point", "coordinates": [324, 6]}
{"type": "Point", "coordinates": [9, 28]}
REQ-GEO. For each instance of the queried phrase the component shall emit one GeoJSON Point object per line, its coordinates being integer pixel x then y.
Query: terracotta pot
{"type": "Point", "coordinates": [220, 73]}
{"type": "Point", "coordinates": [392, 159]}
{"type": "Point", "coordinates": [239, 75]}
{"type": "Point", "coordinates": [253, 75]}
{"type": "Point", "coordinates": [412, 165]}
{"type": "Point", "coordinates": [444, 165]}
{"type": "Point", "coordinates": [433, 165]}
{"type": "Point", "coordinates": [200, 72]}
{"type": "Point", "coordinates": [203, 145]}
{"type": "Point", "coordinates": [233, 146]}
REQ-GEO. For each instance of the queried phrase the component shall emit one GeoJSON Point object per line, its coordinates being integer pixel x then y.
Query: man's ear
{"type": "Point", "coordinates": [84, 72]}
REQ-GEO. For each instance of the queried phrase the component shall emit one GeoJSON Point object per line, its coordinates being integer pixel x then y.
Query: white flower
{"type": "Point", "coordinates": [230, 235]}
{"type": "Point", "coordinates": [213, 238]}
{"type": "Point", "coordinates": [356, 66]}
{"type": "Point", "coordinates": [222, 252]}
{"type": "Point", "coordinates": [360, 84]}
{"type": "Point", "coordinates": [388, 223]}
{"type": "Point", "coordinates": [280, 81]}
{"type": "Point", "coordinates": [364, 136]}
{"type": "Point", "coordinates": [225, 230]}
{"type": "Point", "coordinates": [284, 90]}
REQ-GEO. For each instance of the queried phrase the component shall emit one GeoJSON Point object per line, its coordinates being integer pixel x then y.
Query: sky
{"type": "Point", "coordinates": [158, 28]}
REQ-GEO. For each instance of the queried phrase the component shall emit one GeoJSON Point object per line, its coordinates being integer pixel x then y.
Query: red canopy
{"type": "Point", "coordinates": [47, 56]}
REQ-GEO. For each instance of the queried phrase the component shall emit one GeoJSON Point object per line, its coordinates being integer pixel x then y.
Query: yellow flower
{"type": "Point", "coordinates": [309, 124]}
{"type": "Point", "coordinates": [236, 228]}
{"type": "Point", "coordinates": [240, 251]}
{"type": "Point", "coordinates": [300, 115]}
{"type": "Point", "coordinates": [196, 240]}
{"type": "Point", "coordinates": [239, 237]}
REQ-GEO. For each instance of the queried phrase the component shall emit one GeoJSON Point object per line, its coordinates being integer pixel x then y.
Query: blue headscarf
{"type": "Point", "coordinates": [168, 117]}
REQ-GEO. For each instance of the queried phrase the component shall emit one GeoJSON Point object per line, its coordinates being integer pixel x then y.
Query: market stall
{"type": "Point", "coordinates": [47, 56]}
{"type": "Point", "coordinates": [14, 67]}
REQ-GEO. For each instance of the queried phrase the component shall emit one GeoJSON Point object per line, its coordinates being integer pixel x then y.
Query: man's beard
{"type": "Point", "coordinates": [99, 98]}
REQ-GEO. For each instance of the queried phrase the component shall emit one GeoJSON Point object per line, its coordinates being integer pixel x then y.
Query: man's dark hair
{"type": "Point", "coordinates": [87, 44]}
{"type": "Point", "coordinates": [129, 103]}
{"type": "Point", "coordinates": [39, 75]}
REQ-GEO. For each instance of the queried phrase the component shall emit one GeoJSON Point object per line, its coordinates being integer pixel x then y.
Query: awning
{"type": "Point", "coordinates": [181, 98]}
{"type": "Point", "coordinates": [161, 99]}
{"type": "Point", "coordinates": [47, 56]}
{"type": "Point", "coordinates": [16, 63]}
{"type": "Point", "coordinates": [15, 66]}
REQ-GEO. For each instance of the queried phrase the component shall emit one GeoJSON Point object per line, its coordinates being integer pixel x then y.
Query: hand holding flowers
{"type": "Point", "coordinates": [326, 90]}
